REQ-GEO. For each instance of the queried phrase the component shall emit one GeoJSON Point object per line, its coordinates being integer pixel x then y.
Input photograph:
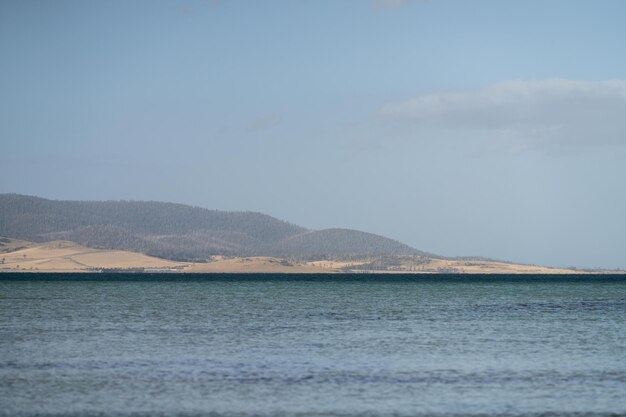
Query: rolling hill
{"type": "Point", "coordinates": [19, 256]}
{"type": "Point", "coordinates": [181, 232]}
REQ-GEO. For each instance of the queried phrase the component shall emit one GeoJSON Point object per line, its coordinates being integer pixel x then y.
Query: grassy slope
{"type": "Point", "coordinates": [64, 256]}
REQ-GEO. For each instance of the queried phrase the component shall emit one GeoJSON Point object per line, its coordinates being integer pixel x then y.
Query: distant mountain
{"type": "Point", "coordinates": [180, 232]}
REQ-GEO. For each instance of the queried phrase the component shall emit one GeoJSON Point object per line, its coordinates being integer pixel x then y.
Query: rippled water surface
{"type": "Point", "coordinates": [265, 345]}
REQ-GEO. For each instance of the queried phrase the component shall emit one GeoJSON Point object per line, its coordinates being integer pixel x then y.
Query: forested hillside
{"type": "Point", "coordinates": [177, 231]}
{"type": "Point", "coordinates": [340, 243]}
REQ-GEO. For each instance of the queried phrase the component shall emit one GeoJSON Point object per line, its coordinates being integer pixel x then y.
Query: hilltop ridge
{"type": "Point", "coordinates": [184, 233]}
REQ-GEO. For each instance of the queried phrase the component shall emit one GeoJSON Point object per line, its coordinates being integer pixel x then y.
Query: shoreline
{"type": "Point", "coordinates": [71, 257]}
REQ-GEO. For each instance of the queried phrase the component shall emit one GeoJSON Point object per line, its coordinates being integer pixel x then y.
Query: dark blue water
{"type": "Point", "coordinates": [342, 345]}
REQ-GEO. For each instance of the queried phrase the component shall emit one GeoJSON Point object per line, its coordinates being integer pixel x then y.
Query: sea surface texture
{"type": "Point", "coordinates": [276, 345]}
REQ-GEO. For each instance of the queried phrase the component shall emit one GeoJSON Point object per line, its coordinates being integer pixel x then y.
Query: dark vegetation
{"type": "Point", "coordinates": [181, 232]}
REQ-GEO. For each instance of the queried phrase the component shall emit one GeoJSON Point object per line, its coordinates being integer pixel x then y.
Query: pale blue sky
{"type": "Point", "coordinates": [494, 128]}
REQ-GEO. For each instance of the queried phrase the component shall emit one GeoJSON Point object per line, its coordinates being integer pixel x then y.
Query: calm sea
{"type": "Point", "coordinates": [282, 345]}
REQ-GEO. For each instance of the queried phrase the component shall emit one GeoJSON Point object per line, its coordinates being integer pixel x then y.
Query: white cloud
{"type": "Point", "coordinates": [554, 111]}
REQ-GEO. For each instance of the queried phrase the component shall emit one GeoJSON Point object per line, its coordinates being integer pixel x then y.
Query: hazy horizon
{"type": "Point", "coordinates": [484, 128]}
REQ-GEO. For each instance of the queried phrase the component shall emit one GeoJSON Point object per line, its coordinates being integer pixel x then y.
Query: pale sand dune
{"type": "Point", "coordinates": [485, 267]}
{"type": "Point", "coordinates": [63, 256]}
{"type": "Point", "coordinates": [409, 265]}
{"type": "Point", "coordinates": [255, 264]}
{"type": "Point", "coordinates": [326, 264]}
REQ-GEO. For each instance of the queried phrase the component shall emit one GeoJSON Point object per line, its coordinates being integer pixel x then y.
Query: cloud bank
{"type": "Point", "coordinates": [554, 111]}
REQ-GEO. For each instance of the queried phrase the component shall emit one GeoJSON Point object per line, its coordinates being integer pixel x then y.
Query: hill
{"type": "Point", "coordinates": [64, 256]}
{"type": "Point", "coordinates": [340, 244]}
{"type": "Point", "coordinates": [181, 232]}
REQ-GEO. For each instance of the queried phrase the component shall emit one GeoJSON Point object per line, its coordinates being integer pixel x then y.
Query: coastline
{"type": "Point", "coordinates": [70, 257]}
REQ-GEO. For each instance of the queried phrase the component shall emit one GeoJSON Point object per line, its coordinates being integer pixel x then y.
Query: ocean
{"type": "Point", "coordinates": [311, 345]}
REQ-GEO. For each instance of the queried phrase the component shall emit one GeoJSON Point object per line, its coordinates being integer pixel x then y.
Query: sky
{"type": "Point", "coordinates": [487, 128]}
